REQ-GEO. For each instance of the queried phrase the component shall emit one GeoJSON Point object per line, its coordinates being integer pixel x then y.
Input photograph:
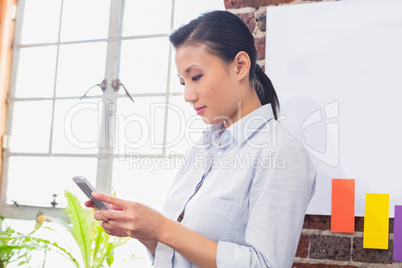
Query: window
{"type": "Point", "coordinates": [61, 49]}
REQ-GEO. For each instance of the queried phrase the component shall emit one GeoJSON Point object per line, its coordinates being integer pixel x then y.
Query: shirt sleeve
{"type": "Point", "coordinates": [278, 201]}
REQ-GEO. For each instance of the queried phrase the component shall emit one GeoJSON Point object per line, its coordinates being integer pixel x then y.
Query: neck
{"type": "Point", "coordinates": [248, 105]}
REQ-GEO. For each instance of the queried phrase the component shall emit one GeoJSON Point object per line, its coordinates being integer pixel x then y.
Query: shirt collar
{"type": "Point", "coordinates": [212, 133]}
{"type": "Point", "coordinates": [240, 131]}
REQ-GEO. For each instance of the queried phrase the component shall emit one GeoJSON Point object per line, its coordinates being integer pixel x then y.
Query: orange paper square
{"type": "Point", "coordinates": [343, 206]}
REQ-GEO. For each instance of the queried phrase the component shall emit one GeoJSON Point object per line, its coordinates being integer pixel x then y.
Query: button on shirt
{"type": "Point", "coordinates": [256, 182]}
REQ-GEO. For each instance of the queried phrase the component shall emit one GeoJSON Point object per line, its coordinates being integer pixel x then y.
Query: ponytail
{"type": "Point", "coordinates": [265, 90]}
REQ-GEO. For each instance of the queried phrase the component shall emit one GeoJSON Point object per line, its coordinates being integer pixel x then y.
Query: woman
{"type": "Point", "coordinates": [240, 200]}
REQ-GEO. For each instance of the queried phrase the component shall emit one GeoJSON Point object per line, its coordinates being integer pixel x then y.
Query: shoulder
{"type": "Point", "coordinates": [284, 140]}
{"type": "Point", "coordinates": [282, 147]}
{"type": "Point", "coordinates": [274, 136]}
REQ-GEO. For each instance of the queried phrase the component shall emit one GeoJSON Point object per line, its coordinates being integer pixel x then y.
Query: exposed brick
{"type": "Point", "coordinates": [391, 226]}
{"type": "Point", "coordinates": [249, 20]}
{"type": "Point", "coordinates": [360, 254]}
{"type": "Point", "coordinates": [260, 45]}
{"type": "Point", "coordinates": [254, 3]}
{"type": "Point", "coordinates": [317, 222]}
{"type": "Point", "coordinates": [330, 247]}
{"type": "Point", "coordinates": [302, 248]}
{"type": "Point", "coordinates": [313, 265]}
{"type": "Point", "coordinates": [262, 21]}
{"type": "Point", "coordinates": [359, 224]}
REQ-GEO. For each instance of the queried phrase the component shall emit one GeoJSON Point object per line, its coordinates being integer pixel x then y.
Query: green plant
{"type": "Point", "coordinates": [96, 246]}
{"type": "Point", "coordinates": [15, 246]}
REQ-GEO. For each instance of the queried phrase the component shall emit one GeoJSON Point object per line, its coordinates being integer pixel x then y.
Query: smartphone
{"type": "Point", "coordinates": [87, 188]}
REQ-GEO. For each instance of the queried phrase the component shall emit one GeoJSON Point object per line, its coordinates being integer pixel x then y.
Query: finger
{"type": "Point", "coordinates": [116, 208]}
{"type": "Point", "coordinates": [114, 215]}
{"type": "Point", "coordinates": [109, 229]}
{"type": "Point", "coordinates": [114, 231]}
{"type": "Point", "coordinates": [114, 201]}
{"type": "Point", "coordinates": [99, 217]}
{"type": "Point", "coordinates": [89, 204]}
{"type": "Point", "coordinates": [120, 224]}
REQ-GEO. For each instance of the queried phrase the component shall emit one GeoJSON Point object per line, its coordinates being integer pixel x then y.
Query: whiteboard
{"type": "Point", "coordinates": [337, 69]}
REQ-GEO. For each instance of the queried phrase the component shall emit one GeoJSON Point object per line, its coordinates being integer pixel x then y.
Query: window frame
{"type": "Point", "coordinates": [105, 155]}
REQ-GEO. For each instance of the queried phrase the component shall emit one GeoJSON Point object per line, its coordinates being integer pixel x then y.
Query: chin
{"type": "Point", "coordinates": [207, 120]}
{"type": "Point", "coordinates": [211, 121]}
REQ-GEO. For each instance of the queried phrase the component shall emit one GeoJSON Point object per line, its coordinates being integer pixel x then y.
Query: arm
{"type": "Point", "coordinates": [149, 226]}
{"type": "Point", "coordinates": [278, 201]}
{"type": "Point", "coordinates": [194, 247]}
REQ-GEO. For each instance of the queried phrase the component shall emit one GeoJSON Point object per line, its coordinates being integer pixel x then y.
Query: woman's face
{"type": "Point", "coordinates": [210, 84]}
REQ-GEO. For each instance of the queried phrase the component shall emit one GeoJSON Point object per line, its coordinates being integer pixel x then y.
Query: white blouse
{"type": "Point", "coordinates": [253, 199]}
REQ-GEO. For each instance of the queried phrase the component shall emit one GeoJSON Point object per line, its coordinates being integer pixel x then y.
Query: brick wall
{"type": "Point", "coordinates": [318, 247]}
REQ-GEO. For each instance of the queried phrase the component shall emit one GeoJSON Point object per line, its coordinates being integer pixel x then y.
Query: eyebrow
{"type": "Point", "coordinates": [189, 68]}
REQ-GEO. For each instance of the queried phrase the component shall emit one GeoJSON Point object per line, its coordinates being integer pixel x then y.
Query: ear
{"type": "Point", "coordinates": [242, 64]}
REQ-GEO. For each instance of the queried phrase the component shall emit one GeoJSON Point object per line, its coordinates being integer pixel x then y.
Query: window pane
{"type": "Point", "coordinates": [138, 22]}
{"type": "Point", "coordinates": [76, 126]}
{"type": "Point", "coordinates": [34, 180]}
{"type": "Point", "coordinates": [143, 180]}
{"type": "Point", "coordinates": [140, 126]}
{"type": "Point", "coordinates": [85, 19]}
{"type": "Point", "coordinates": [36, 69]}
{"type": "Point", "coordinates": [40, 21]}
{"type": "Point", "coordinates": [184, 126]}
{"type": "Point", "coordinates": [174, 78]}
{"type": "Point", "coordinates": [143, 67]}
{"type": "Point", "coordinates": [31, 126]}
{"type": "Point", "coordinates": [80, 67]}
{"type": "Point", "coordinates": [186, 10]}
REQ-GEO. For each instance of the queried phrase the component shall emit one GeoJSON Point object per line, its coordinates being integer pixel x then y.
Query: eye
{"type": "Point", "coordinates": [196, 78]}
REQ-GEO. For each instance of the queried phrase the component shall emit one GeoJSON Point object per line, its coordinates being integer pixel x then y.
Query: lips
{"type": "Point", "coordinates": [199, 110]}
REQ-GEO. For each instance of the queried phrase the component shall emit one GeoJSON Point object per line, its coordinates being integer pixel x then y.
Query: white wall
{"type": "Point", "coordinates": [337, 68]}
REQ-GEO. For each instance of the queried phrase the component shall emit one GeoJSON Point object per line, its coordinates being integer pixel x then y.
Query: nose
{"type": "Point", "coordinates": [189, 94]}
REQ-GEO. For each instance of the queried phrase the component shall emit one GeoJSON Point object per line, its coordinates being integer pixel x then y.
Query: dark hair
{"type": "Point", "coordinates": [224, 35]}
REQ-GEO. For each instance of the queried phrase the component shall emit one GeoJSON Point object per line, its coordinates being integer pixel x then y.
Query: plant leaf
{"type": "Point", "coordinates": [109, 254]}
{"type": "Point", "coordinates": [99, 240]}
{"type": "Point", "coordinates": [81, 227]}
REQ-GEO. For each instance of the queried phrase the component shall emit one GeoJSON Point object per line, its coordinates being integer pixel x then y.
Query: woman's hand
{"type": "Point", "coordinates": [108, 229]}
{"type": "Point", "coordinates": [149, 226]}
{"type": "Point", "coordinates": [129, 218]}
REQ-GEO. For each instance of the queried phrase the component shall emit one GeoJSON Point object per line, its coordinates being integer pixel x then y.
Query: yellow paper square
{"type": "Point", "coordinates": [376, 221]}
